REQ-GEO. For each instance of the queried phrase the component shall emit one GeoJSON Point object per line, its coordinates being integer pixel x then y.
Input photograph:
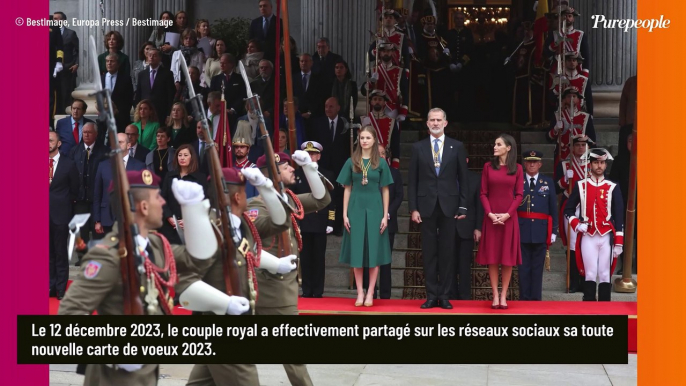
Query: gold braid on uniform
{"type": "Point", "coordinates": [151, 269]}
{"type": "Point", "coordinates": [253, 260]}
{"type": "Point", "coordinates": [298, 215]}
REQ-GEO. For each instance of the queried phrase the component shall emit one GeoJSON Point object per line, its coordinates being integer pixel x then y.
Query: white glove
{"type": "Point", "coordinates": [375, 77]}
{"type": "Point", "coordinates": [254, 176]}
{"type": "Point", "coordinates": [535, 6]}
{"type": "Point", "coordinates": [329, 230]}
{"type": "Point", "coordinates": [570, 175]}
{"type": "Point", "coordinates": [558, 126]}
{"type": "Point", "coordinates": [301, 157]}
{"type": "Point", "coordinates": [410, 50]}
{"type": "Point", "coordinates": [582, 228]}
{"type": "Point", "coordinates": [130, 368]}
{"type": "Point", "coordinates": [401, 117]}
{"type": "Point", "coordinates": [553, 237]}
{"type": "Point", "coordinates": [187, 192]}
{"type": "Point", "coordinates": [237, 305]}
{"type": "Point", "coordinates": [286, 264]}
{"type": "Point", "coordinates": [58, 68]}
{"type": "Point", "coordinates": [446, 51]}
{"type": "Point", "coordinates": [617, 250]}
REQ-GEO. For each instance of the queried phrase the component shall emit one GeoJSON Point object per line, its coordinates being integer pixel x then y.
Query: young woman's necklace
{"type": "Point", "coordinates": [365, 169]}
{"type": "Point", "coordinates": [162, 157]}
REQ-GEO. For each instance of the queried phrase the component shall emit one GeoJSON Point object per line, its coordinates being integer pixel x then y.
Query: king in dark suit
{"type": "Point", "coordinates": [468, 232]}
{"type": "Point", "coordinates": [122, 92]}
{"type": "Point", "coordinates": [437, 192]}
{"type": "Point", "coordinates": [537, 225]}
{"type": "Point", "coordinates": [64, 186]}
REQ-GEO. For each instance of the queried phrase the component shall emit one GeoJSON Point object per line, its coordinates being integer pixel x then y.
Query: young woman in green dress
{"type": "Point", "coordinates": [366, 177]}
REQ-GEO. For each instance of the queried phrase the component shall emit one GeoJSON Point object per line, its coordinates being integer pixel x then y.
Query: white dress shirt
{"type": "Point", "coordinates": [110, 81]}
{"type": "Point", "coordinates": [54, 165]}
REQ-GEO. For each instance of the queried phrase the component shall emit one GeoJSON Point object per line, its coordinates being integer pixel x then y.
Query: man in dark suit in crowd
{"type": "Point", "coordinates": [122, 91]}
{"type": "Point", "coordinates": [70, 128]}
{"type": "Point", "coordinates": [437, 190]}
{"type": "Point", "coordinates": [331, 131]}
{"type": "Point", "coordinates": [314, 227]}
{"type": "Point", "coordinates": [156, 83]}
{"type": "Point", "coordinates": [324, 61]}
{"type": "Point", "coordinates": [64, 186]}
{"type": "Point", "coordinates": [87, 155]}
{"type": "Point", "coordinates": [395, 198]}
{"type": "Point", "coordinates": [234, 89]}
{"type": "Point", "coordinates": [67, 77]}
{"type": "Point", "coordinates": [102, 215]}
{"type": "Point", "coordinates": [468, 233]}
{"type": "Point", "coordinates": [200, 146]}
{"type": "Point", "coordinates": [263, 29]}
{"type": "Point", "coordinates": [263, 85]}
{"type": "Point", "coordinates": [310, 89]}
{"type": "Point", "coordinates": [538, 217]}
{"type": "Point", "coordinates": [135, 149]}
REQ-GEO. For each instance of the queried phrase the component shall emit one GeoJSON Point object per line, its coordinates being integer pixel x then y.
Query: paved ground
{"type": "Point", "coordinates": [425, 375]}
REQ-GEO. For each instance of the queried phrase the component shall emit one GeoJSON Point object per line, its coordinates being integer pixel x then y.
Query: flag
{"type": "Point", "coordinates": [277, 76]}
{"type": "Point", "coordinates": [540, 29]}
{"type": "Point", "coordinates": [223, 138]}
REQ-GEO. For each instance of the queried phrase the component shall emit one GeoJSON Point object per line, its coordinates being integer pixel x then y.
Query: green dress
{"type": "Point", "coordinates": [364, 246]}
{"type": "Point", "coordinates": [148, 137]}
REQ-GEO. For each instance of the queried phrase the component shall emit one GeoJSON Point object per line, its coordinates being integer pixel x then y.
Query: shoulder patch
{"type": "Point", "coordinates": [252, 214]}
{"type": "Point", "coordinates": [92, 270]}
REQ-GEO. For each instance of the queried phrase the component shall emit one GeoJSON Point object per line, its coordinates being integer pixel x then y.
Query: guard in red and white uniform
{"type": "Point", "coordinates": [391, 34]}
{"type": "Point", "coordinates": [573, 122]}
{"type": "Point", "coordinates": [387, 128]}
{"type": "Point", "coordinates": [570, 171]}
{"type": "Point", "coordinates": [574, 39]}
{"type": "Point", "coordinates": [599, 226]}
{"type": "Point", "coordinates": [392, 80]}
{"type": "Point", "coordinates": [574, 78]}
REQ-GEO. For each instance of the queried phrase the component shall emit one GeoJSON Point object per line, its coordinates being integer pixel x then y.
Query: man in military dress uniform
{"type": "Point", "coordinates": [573, 169]}
{"type": "Point", "coordinates": [387, 129]}
{"type": "Point", "coordinates": [599, 226]}
{"type": "Point", "coordinates": [392, 80]}
{"type": "Point", "coordinates": [99, 285]}
{"type": "Point", "coordinates": [202, 284]}
{"type": "Point", "coordinates": [537, 225]}
{"type": "Point", "coordinates": [573, 122]}
{"type": "Point", "coordinates": [279, 292]}
{"type": "Point", "coordinates": [314, 227]}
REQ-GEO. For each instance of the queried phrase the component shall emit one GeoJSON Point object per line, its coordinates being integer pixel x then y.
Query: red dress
{"type": "Point", "coordinates": [500, 193]}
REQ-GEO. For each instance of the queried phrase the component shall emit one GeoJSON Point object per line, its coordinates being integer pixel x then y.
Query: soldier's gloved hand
{"type": "Point", "coordinates": [130, 368]}
{"type": "Point", "coordinates": [238, 305]}
{"type": "Point", "coordinates": [617, 250]}
{"type": "Point", "coordinates": [446, 51]}
{"type": "Point", "coordinates": [187, 192]}
{"type": "Point", "coordinates": [375, 77]}
{"type": "Point", "coordinates": [558, 126]}
{"type": "Point", "coordinates": [570, 175]}
{"type": "Point", "coordinates": [302, 158]}
{"type": "Point", "coordinates": [255, 177]}
{"type": "Point", "coordinates": [455, 67]}
{"type": "Point", "coordinates": [582, 228]}
{"type": "Point", "coordinates": [401, 117]}
{"type": "Point", "coordinates": [329, 230]}
{"type": "Point", "coordinates": [286, 264]}
{"type": "Point", "coordinates": [58, 68]}
{"type": "Point", "coordinates": [553, 237]}
{"type": "Point", "coordinates": [535, 6]}
{"type": "Point", "coordinates": [410, 50]}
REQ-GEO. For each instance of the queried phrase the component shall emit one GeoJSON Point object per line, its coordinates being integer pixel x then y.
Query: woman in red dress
{"type": "Point", "coordinates": [501, 193]}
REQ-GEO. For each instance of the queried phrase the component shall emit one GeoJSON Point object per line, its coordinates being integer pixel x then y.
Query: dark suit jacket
{"type": "Point", "coordinates": [336, 152]}
{"type": "Point", "coordinates": [70, 46]}
{"type": "Point", "coordinates": [269, 41]}
{"type": "Point", "coordinates": [101, 196]}
{"type": "Point", "coordinates": [173, 207]}
{"type": "Point", "coordinates": [65, 130]}
{"type": "Point", "coordinates": [396, 195]}
{"type": "Point", "coordinates": [234, 92]}
{"type": "Point", "coordinates": [475, 210]}
{"type": "Point", "coordinates": [204, 166]}
{"type": "Point", "coordinates": [425, 189]}
{"type": "Point", "coordinates": [185, 136]}
{"type": "Point", "coordinates": [312, 100]}
{"type": "Point", "coordinates": [63, 191]}
{"type": "Point", "coordinates": [325, 67]}
{"type": "Point", "coordinates": [141, 153]}
{"type": "Point", "coordinates": [266, 92]}
{"type": "Point", "coordinates": [87, 176]}
{"type": "Point", "coordinates": [162, 93]}
{"type": "Point", "coordinates": [122, 97]}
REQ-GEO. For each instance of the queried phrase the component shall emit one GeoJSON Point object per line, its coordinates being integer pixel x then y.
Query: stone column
{"type": "Point", "coordinates": [133, 36]}
{"type": "Point", "coordinates": [613, 51]}
{"type": "Point", "coordinates": [345, 23]}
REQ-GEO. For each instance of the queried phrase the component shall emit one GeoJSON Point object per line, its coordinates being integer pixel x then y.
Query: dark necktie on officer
{"type": "Point", "coordinates": [532, 184]}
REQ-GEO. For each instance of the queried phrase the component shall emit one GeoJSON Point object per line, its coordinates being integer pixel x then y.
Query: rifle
{"type": "Point", "coordinates": [289, 83]}
{"type": "Point", "coordinates": [225, 234]}
{"type": "Point", "coordinates": [123, 207]}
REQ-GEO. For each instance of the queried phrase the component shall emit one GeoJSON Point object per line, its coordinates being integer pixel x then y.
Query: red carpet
{"type": "Point", "coordinates": [346, 306]}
